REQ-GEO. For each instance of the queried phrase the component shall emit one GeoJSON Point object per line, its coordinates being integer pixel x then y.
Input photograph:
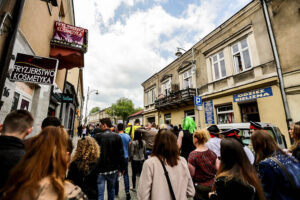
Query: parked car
{"type": "Point", "coordinates": [245, 132]}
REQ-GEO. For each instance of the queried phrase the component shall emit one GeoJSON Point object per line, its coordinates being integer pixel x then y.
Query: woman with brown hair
{"type": "Point", "coordinates": [41, 172]}
{"type": "Point", "coordinates": [82, 169]}
{"type": "Point", "coordinates": [203, 165]}
{"type": "Point", "coordinates": [153, 183]}
{"type": "Point", "coordinates": [279, 172]}
{"type": "Point", "coordinates": [295, 135]}
{"type": "Point", "coordinates": [236, 178]}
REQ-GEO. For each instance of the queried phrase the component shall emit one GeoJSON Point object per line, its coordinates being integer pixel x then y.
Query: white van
{"type": "Point", "coordinates": [245, 132]}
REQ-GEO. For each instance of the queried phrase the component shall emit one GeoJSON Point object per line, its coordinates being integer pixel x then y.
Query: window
{"type": "Point", "coordinates": [150, 96]}
{"type": "Point", "coordinates": [218, 65]}
{"type": "Point", "coordinates": [225, 114]}
{"type": "Point", "coordinates": [187, 79]}
{"type": "Point", "coordinates": [15, 101]}
{"type": "Point", "coordinates": [166, 86]}
{"type": "Point", "coordinates": [168, 118]}
{"type": "Point", "coordinates": [241, 56]}
{"type": "Point", "coordinates": [250, 112]}
{"type": "Point", "coordinates": [189, 113]}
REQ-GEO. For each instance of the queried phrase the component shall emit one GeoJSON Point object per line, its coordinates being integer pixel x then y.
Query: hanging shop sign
{"type": "Point", "coordinates": [66, 98]}
{"type": "Point", "coordinates": [70, 36]}
{"type": "Point", "coordinates": [253, 94]}
{"type": "Point", "coordinates": [34, 69]}
{"type": "Point", "coordinates": [209, 112]}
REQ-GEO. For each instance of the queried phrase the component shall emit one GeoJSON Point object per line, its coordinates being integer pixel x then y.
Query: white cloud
{"type": "Point", "coordinates": [120, 58]}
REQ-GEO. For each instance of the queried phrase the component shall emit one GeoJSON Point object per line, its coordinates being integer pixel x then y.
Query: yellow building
{"type": "Point", "coordinates": [233, 69]}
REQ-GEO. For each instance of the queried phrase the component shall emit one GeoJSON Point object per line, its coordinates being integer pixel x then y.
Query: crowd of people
{"type": "Point", "coordinates": [172, 162]}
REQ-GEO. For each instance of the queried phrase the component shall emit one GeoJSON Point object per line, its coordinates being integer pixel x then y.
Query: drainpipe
{"type": "Point", "coordinates": [194, 65]}
{"type": "Point", "coordinates": [278, 66]}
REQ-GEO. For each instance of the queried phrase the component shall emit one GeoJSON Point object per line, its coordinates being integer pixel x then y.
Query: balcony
{"type": "Point", "coordinates": [176, 99]}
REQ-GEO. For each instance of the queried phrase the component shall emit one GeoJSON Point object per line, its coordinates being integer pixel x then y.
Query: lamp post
{"type": "Point", "coordinates": [87, 100]}
{"type": "Point", "coordinates": [194, 68]}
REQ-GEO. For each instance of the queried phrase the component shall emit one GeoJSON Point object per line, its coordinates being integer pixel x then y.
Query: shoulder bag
{"type": "Point", "coordinates": [168, 180]}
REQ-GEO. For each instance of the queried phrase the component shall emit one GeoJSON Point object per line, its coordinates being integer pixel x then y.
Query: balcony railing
{"type": "Point", "coordinates": [176, 98]}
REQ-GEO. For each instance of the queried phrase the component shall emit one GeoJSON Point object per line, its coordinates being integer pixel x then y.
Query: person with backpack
{"type": "Point", "coordinates": [138, 155]}
{"type": "Point", "coordinates": [279, 172]}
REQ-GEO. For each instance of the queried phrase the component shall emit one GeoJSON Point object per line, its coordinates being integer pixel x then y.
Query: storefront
{"type": "Point", "coordinates": [244, 105]}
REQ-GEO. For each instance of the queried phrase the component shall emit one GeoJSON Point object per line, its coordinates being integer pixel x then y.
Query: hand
{"type": "Point", "coordinates": [211, 193]}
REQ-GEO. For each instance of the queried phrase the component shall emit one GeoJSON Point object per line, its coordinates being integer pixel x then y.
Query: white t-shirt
{"type": "Point", "coordinates": [214, 144]}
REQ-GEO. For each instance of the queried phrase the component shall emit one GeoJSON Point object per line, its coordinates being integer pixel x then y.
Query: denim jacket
{"type": "Point", "coordinates": [275, 184]}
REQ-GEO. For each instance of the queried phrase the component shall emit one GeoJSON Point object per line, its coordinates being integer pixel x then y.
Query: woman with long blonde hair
{"type": "Point", "coordinates": [41, 173]}
{"type": "Point", "coordinates": [82, 169]}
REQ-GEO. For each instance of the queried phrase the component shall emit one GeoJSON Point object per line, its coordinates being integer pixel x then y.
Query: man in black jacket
{"type": "Point", "coordinates": [111, 161]}
{"type": "Point", "coordinates": [16, 126]}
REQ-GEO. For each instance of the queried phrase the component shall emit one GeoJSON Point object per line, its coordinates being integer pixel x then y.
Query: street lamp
{"type": "Point", "coordinates": [179, 54]}
{"type": "Point", "coordinates": [87, 100]}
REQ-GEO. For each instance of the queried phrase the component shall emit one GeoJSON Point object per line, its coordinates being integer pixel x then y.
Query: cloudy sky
{"type": "Point", "coordinates": [130, 40]}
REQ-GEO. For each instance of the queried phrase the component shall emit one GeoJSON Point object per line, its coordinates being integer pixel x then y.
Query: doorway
{"type": "Point", "coordinates": [250, 112]}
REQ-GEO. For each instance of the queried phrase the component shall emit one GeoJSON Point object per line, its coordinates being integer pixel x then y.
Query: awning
{"type": "Point", "coordinates": [68, 58]}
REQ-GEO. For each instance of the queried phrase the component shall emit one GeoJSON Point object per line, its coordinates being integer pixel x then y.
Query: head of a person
{"type": "Point", "coordinates": [165, 147]}
{"type": "Point", "coordinates": [47, 156]}
{"type": "Point", "coordinates": [188, 123]}
{"type": "Point", "coordinates": [129, 125]}
{"type": "Point", "coordinates": [137, 122]}
{"type": "Point", "coordinates": [163, 126]}
{"type": "Point", "coordinates": [97, 125]}
{"type": "Point", "coordinates": [51, 121]}
{"type": "Point", "coordinates": [105, 123]}
{"type": "Point", "coordinates": [255, 126]}
{"type": "Point", "coordinates": [214, 131]}
{"type": "Point", "coordinates": [137, 135]}
{"type": "Point", "coordinates": [295, 131]}
{"type": "Point", "coordinates": [263, 144]}
{"type": "Point", "coordinates": [153, 125]}
{"type": "Point", "coordinates": [235, 164]}
{"type": "Point", "coordinates": [18, 123]}
{"type": "Point", "coordinates": [168, 122]}
{"type": "Point", "coordinates": [120, 127]}
{"type": "Point", "coordinates": [87, 151]}
{"type": "Point", "coordinates": [175, 129]}
{"type": "Point", "coordinates": [149, 125]}
{"type": "Point", "coordinates": [200, 137]}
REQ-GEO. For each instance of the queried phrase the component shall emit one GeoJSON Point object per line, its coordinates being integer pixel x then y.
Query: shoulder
{"type": "Point", "coordinates": [73, 192]}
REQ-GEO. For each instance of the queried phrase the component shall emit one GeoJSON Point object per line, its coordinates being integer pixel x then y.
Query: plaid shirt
{"type": "Point", "coordinates": [205, 170]}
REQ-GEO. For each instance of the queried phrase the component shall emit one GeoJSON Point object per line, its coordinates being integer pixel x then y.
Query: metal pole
{"type": "Point", "coordinates": [194, 64]}
{"type": "Point", "coordinates": [61, 100]}
{"type": "Point", "coordinates": [86, 104]}
{"type": "Point", "coordinates": [278, 66]}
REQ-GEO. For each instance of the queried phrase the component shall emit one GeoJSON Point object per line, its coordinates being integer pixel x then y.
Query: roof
{"type": "Point", "coordinates": [136, 114]}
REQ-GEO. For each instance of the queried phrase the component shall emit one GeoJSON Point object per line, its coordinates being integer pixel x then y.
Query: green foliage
{"type": "Point", "coordinates": [123, 108]}
{"type": "Point", "coordinates": [95, 109]}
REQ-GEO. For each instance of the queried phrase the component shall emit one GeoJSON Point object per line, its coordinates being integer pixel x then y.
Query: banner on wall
{"type": "Point", "coordinates": [209, 112]}
{"type": "Point", "coordinates": [253, 94]}
{"type": "Point", "coordinates": [34, 69]}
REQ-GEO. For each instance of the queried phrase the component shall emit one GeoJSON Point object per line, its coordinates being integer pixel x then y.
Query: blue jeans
{"type": "Point", "coordinates": [111, 180]}
{"type": "Point", "coordinates": [126, 179]}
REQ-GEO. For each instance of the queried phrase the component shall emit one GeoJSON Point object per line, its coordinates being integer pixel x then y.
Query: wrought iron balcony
{"type": "Point", "coordinates": [176, 99]}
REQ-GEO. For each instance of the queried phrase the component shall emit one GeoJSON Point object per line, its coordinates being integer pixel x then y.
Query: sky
{"type": "Point", "coordinates": [130, 40]}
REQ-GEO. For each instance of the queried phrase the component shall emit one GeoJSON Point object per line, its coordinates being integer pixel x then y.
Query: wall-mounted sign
{"type": "Point", "coordinates": [198, 100]}
{"type": "Point", "coordinates": [72, 36]}
{"type": "Point", "coordinates": [66, 98]}
{"type": "Point", "coordinates": [253, 94]}
{"type": "Point", "coordinates": [34, 69]}
{"type": "Point", "coordinates": [209, 112]}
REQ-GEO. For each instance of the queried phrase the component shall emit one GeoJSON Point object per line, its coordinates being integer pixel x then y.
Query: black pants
{"type": "Point", "coordinates": [136, 166]}
{"type": "Point", "coordinates": [202, 192]}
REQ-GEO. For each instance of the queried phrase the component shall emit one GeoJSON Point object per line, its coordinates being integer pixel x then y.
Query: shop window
{"type": "Point", "coordinates": [241, 56]}
{"type": "Point", "coordinates": [168, 118]}
{"type": "Point", "coordinates": [249, 112]}
{"type": "Point", "coordinates": [151, 119]}
{"type": "Point", "coordinates": [187, 79]}
{"type": "Point", "coordinates": [218, 65]}
{"type": "Point", "coordinates": [189, 113]}
{"type": "Point", "coordinates": [225, 114]}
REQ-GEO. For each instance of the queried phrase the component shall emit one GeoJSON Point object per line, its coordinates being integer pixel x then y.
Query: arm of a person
{"type": "Point", "coordinates": [145, 182]}
{"type": "Point", "coordinates": [121, 155]}
{"type": "Point", "coordinates": [179, 140]}
{"type": "Point", "coordinates": [268, 179]}
{"type": "Point", "coordinates": [72, 173]}
{"type": "Point", "coordinates": [190, 192]}
{"type": "Point", "coordinates": [217, 164]}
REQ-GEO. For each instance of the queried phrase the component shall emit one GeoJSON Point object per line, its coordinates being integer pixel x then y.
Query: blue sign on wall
{"type": "Point", "coordinates": [253, 94]}
{"type": "Point", "coordinates": [198, 100]}
{"type": "Point", "coordinates": [209, 112]}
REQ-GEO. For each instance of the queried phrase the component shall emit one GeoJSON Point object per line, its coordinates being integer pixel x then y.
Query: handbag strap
{"type": "Point", "coordinates": [286, 173]}
{"type": "Point", "coordinates": [168, 180]}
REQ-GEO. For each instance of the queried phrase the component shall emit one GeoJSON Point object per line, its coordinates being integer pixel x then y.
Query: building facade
{"type": "Point", "coordinates": [34, 35]}
{"type": "Point", "coordinates": [234, 71]}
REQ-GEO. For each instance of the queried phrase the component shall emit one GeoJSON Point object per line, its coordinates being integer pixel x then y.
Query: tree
{"type": "Point", "coordinates": [123, 108]}
{"type": "Point", "coordinates": [95, 109]}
